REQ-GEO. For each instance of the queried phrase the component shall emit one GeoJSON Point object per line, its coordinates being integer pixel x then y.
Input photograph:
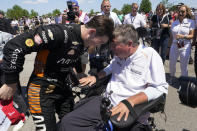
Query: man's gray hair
{"type": "Point", "coordinates": [126, 32]}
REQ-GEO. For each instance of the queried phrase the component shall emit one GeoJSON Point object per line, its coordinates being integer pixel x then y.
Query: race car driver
{"type": "Point", "coordinates": [58, 48]}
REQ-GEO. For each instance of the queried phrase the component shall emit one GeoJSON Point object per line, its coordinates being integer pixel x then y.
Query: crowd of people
{"type": "Point", "coordinates": [111, 45]}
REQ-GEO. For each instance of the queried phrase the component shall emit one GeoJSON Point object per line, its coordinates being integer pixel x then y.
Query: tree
{"type": "Point", "coordinates": [49, 14]}
{"type": "Point", "coordinates": [145, 6]}
{"type": "Point", "coordinates": [167, 3]}
{"type": "Point", "coordinates": [91, 12]}
{"type": "Point", "coordinates": [17, 12]}
{"type": "Point", "coordinates": [126, 9]}
{"type": "Point", "coordinates": [25, 13]}
{"type": "Point", "coordinates": [116, 11]}
{"type": "Point", "coordinates": [56, 11]}
{"type": "Point", "coordinates": [33, 13]}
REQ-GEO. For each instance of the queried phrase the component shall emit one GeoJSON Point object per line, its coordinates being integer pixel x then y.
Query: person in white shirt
{"type": "Point", "coordinates": [182, 31]}
{"type": "Point", "coordinates": [134, 18]}
{"type": "Point", "coordinates": [15, 25]}
{"type": "Point", "coordinates": [137, 76]}
{"type": "Point", "coordinates": [105, 10]}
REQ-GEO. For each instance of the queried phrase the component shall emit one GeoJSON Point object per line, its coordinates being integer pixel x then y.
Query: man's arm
{"type": "Point", "coordinates": [133, 100]}
{"type": "Point", "coordinates": [44, 37]}
{"type": "Point", "coordinates": [90, 80]}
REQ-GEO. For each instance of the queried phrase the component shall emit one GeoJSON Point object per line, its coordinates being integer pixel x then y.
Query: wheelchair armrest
{"type": "Point", "coordinates": [138, 110]}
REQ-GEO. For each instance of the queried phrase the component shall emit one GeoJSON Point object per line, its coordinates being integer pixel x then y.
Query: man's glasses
{"type": "Point", "coordinates": [136, 9]}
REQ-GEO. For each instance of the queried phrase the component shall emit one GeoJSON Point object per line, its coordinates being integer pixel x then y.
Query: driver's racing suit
{"type": "Point", "coordinates": [58, 48]}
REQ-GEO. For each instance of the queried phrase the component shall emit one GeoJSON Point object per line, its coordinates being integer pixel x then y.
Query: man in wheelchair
{"type": "Point", "coordinates": [137, 76]}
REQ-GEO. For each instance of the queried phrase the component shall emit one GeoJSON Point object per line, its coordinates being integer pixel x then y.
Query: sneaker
{"type": "Point", "coordinates": [171, 81]}
{"type": "Point", "coordinates": [191, 61]}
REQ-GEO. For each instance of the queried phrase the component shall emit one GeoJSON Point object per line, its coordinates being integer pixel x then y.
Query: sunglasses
{"type": "Point", "coordinates": [182, 11]}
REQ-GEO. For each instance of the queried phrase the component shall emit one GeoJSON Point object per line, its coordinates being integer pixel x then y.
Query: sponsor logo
{"type": "Point", "coordinates": [29, 42]}
{"type": "Point", "coordinates": [11, 113]}
{"type": "Point", "coordinates": [75, 43]}
{"type": "Point", "coordinates": [44, 37]}
{"type": "Point", "coordinates": [65, 36]}
{"type": "Point", "coordinates": [38, 120]}
{"type": "Point", "coordinates": [71, 52]}
{"type": "Point", "coordinates": [50, 34]}
{"type": "Point", "coordinates": [66, 61]}
{"type": "Point", "coordinates": [37, 39]}
{"type": "Point", "coordinates": [14, 58]}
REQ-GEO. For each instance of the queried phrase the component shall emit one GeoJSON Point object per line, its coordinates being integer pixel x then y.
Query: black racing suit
{"type": "Point", "coordinates": [58, 48]}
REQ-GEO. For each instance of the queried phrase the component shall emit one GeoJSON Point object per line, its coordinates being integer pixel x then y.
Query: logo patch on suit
{"type": "Point", "coordinates": [44, 37]}
{"type": "Point", "coordinates": [50, 34]}
{"type": "Point", "coordinates": [75, 43]}
{"type": "Point", "coordinates": [37, 39]}
{"type": "Point", "coordinates": [29, 42]}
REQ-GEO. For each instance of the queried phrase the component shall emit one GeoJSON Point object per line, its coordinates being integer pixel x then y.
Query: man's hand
{"type": "Point", "coordinates": [7, 91]}
{"type": "Point", "coordinates": [90, 80]}
{"type": "Point", "coordinates": [122, 109]}
{"type": "Point", "coordinates": [77, 21]}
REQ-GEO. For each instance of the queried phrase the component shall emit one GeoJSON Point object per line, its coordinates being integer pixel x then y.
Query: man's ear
{"type": "Point", "coordinates": [130, 43]}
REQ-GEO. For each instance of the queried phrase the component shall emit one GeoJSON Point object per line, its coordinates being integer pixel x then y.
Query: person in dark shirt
{"type": "Point", "coordinates": [5, 24]}
{"type": "Point", "coordinates": [58, 48]}
{"type": "Point", "coordinates": [160, 25]}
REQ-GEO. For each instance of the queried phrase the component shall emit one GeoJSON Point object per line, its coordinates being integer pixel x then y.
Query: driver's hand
{"type": "Point", "coordinates": [89, 80]}
{"type": "Point", "coordinates": [7, 91]}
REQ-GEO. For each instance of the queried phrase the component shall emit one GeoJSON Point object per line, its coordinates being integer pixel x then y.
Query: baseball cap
{"type": "Point", "coordinates": [75, 3]}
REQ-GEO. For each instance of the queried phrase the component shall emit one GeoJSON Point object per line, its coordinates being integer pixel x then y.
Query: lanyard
{"type": "Point", "coordinates": [159, 22]}
{"type": "Point", "coordinates": [132, 18]}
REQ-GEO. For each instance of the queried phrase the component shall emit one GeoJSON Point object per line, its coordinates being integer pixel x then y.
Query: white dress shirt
{"type": "Point", "coordinates": [136, 21]}
{"type": "Point", "coordinates": [141, 72]}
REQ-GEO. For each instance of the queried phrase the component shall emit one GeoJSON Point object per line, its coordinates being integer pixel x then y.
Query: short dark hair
{"type": "Point", "coordinates": [103, 25]}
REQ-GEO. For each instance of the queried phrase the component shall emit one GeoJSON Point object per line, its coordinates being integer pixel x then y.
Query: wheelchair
{"type": "Point", "coordinates": [111, 122]}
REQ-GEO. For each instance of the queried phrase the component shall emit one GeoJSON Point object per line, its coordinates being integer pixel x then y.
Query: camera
{"type": "Point", "coordinates": [71, 14]}
{"type": "Point", "coordinates": [180, 44]}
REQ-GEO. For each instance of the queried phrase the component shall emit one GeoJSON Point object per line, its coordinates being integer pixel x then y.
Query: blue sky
{"type": "Point", "coordinates": [46, 6]}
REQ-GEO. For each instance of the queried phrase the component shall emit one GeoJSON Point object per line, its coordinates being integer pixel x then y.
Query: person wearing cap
{"type": "Point", "coordinates": [82, 17]}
